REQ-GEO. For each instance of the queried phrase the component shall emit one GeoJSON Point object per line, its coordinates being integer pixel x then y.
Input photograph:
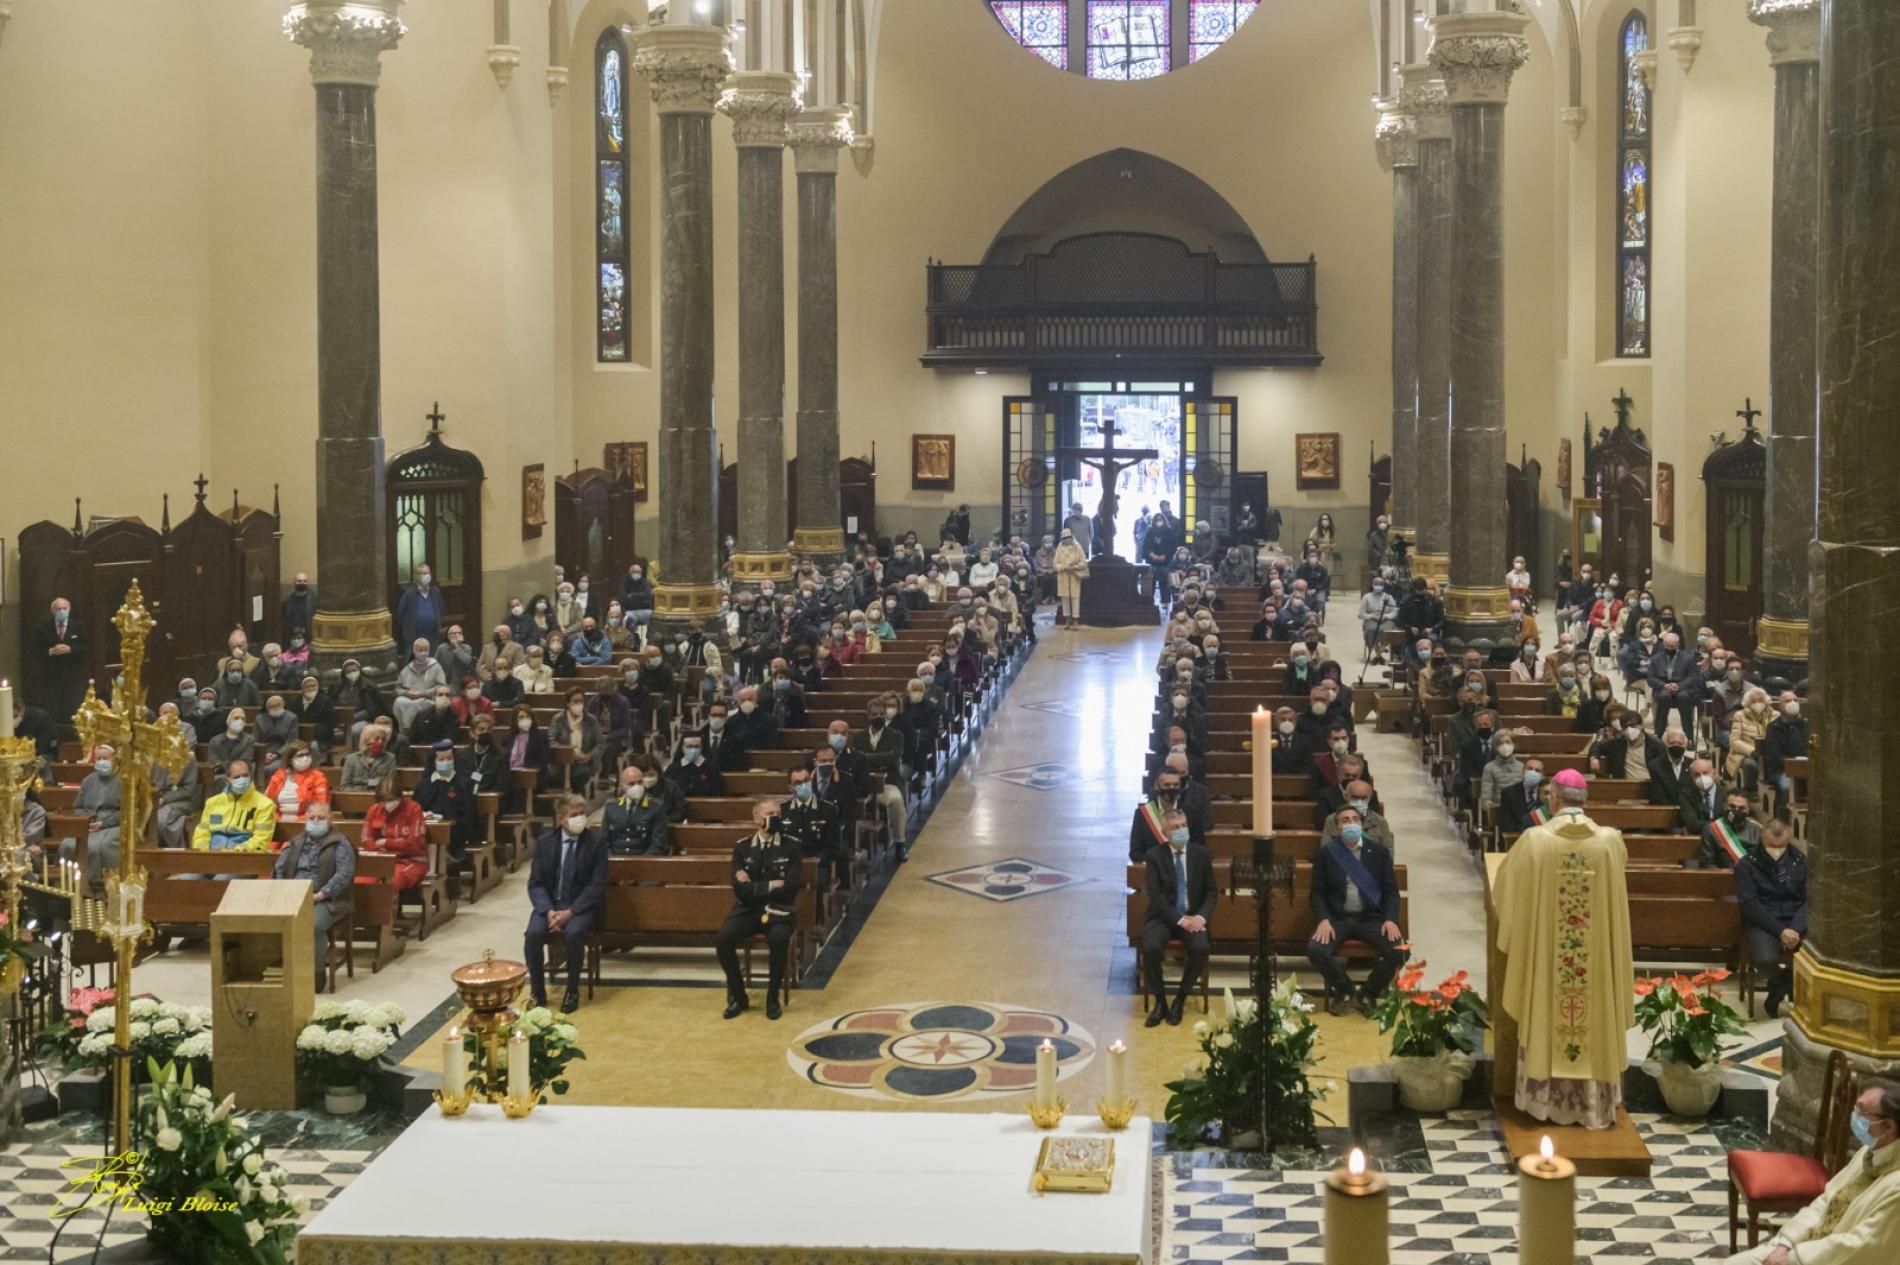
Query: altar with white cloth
{"type": "Point", "coordinates": [661, 1185]}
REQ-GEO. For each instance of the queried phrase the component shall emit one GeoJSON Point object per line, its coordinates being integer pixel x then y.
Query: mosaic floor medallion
{"type": "Point", "coordinates": [1007, 880]}
{"type": "Point", "coordinates": [1037, 777]}
{"type": "Point", "coordinates": [936, 1051]}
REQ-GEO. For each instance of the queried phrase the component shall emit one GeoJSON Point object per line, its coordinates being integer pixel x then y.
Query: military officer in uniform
{"type": "Point", "coordinates": [810, 824]}
{"type": "Point", "coordinates": [634, 821]}
{"type": "Point", "coordinates": [765, 876]}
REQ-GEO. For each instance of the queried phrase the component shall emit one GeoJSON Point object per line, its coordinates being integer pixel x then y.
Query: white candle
{"type": "Point", "coordinates": [518, 1082]}
{"type": "Point", "coordinates": [1356, 1215]}
{"type": "Point", "coordinates": [454, 1064]}
{"type": "Point", "coordinates": [6, 709]}
{"type": "Point", "coordinates": [1262, 773]}
{"type": "Point", "coordinates": [1546, 1208]}
{"type": "Point", "coordinates": [1117, 1074]}
{"type": "Point", "coordinates": [1046, 1074]}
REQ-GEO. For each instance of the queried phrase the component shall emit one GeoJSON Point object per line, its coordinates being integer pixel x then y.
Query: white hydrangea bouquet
{"type": "Point", "coordinates": [343, 1044]}
{"type": "Point", "coordinates": [553, 1043]}
{"type": "Point", "coordinates": [223, 1202]}
{"type": "Point", "coordinates": [162, 1032]}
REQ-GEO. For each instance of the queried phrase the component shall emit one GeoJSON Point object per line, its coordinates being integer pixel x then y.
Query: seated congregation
{"type": "Point", "coordinates": [690, 789]}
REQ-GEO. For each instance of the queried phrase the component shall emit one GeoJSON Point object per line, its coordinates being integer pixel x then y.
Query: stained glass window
{"type": "Point", "coordinates": [1210, 22]}
{"type": "Point", "coordinates": [1128, 39]}
{"type": "Point", "coordinates": [1632, 195]}
{"type": "Point", "coordinates": [610, 184]}
{"type": "Point", "coordinates": [1041, 26]}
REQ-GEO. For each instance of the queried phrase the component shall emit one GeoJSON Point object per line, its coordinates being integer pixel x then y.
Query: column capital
{"type": "Point", "coordinates": [817, 134]}
{"type": "Point", "coordinates": [1794, 28]}
{"type": "Point", "coordinates": [1422, 96]}
{"type": "Point", "coordinates": [1477, 53]}
{"type": "Point", "coordinates": [685, 66]}
{"type": "Point", "coordinates": [346, 38]}
{"type": "Point", "coordinates": [1396, 135]}
{"type": "Point", "coordinates": [760, 103]}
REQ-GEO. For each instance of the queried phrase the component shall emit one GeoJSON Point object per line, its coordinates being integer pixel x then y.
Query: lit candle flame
{"type": "Point", "coordinates": [455, 1033]}
{"type": "Point", "coordinates": [1356, 1163]}
{"type": "Point", "coordinates": [1548, 1149]}
{"type": "Point", "coordinates": [1047, 1044]}
{"type": "Point", "coordinates": [1117, 1047]}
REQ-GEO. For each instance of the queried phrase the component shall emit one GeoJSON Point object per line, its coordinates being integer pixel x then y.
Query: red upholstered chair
{"type": "Point", "coordinates": [1778, 1182]}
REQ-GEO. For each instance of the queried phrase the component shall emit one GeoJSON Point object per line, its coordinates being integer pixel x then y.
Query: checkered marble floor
{"type": "Point", "coordinates": [33, 1184]}
{"type": "Point", "coordinates": [1463, 1212]}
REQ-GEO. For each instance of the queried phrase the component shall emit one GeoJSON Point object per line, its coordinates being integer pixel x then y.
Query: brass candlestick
{"type": "Point", "coordinates": [139, 746]}
{"type": "Point", "coordinates": [1048, 1117]}
{"type": "Point", "coordinates": [19, 770]}
{"type": "Point", "coordinates": [1115, 1115]}
{"type": "Point", "coordinates": [489, 988]}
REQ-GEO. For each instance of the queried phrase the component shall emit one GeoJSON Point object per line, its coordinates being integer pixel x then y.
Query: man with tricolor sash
{"type": "Point", "coordinates": [1730, 836]}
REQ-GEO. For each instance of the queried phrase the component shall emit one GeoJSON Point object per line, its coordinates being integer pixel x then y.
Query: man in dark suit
{"type": "Point", "coordinates": [1148, 829]}
{"type": "Point", "coordinates": [1355, 897]}
{"type": "Point", "coordinates": [567, 885]}
{"type": "Point", "coordinates": [766, 872]}
{"type": "Point", "coordinates": [754, 727]}
{"type": "Point", "coordinates": [1181, 897]}
{"type": "Point", "coordinates": [1729, 837]}
{"type": "Point", "coordinates": [1517, 802]}
{"type": "Point", "coordinates": [725, 749]}
{"type": "Point", "coordinates": [61, 650]}
{"type": "Point", "coordinates": [1675, 683]}
{"type": "Point", "coordinates": [1669, 777]}
{"type": "Point", "coordinates": [1700, 799]}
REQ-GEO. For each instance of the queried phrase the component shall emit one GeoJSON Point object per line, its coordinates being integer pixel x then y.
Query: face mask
{"type": "Point", "coordinates": [1531, 778]}
{"type": "Point", "coordinates": [1863, 1131]}
{"type": "Point", "coordinates": [836, 741]}
{"type": "Point", "coordinates": [316, 829]}
{"type": "Point", "coordinates": [1603, 696]}
{"type": "Point", "coordinates": [205, 704]}
{"type": "Point", "coordinates": [916, 696]}
{"type": "Point", "coordinates": [576, 823]}
{"type": "Point", "coordinates": [1180, 702]}
{"type": "Point", "coordinates": [782, 683]}
{"type": "Point", "coordinates": [716, 723]}
{"type": "Point", "coordinates": [541, 608]}
{"type": "Point", "coordinates": [239, 785]}
{"type": "Point", "coordinates": [690, 755]}
{"type": "Point", "coordinates": [1646, 603]}
{"type": "Point", "coordinates": [1318, 709]}
{"type": "Point", "coordinates": [376, 747]}
{"type": "Point", "coordinates": [1339, 746]}
{"type": "Point", "coordinates": [890, 713]}
{"type": "Point", "coordinates": [634, 789]}
{"type": "Point", "coordinates": [351, 674]}
{"type": "Point", "coordinates": [747, 707]}
{"type": "Point", "coordinates": [524, 724]}
{"type": "Point", "coordinates": [1299, 661]}
{"type": "Point", "coordinates": [802, 790]}
{"type": "Point", "coordinates": [235, 728]}
{"type": "Point", "coordinates": [1286, 728]}
{"type": "Point", "coordinates": [1737, 816]}
{"type": "Point", "coordinates": [1361, 804]}
{"type": "Point", "coordinates": [1352, 832]}
{"type": "Point", "coordinates": [441, 702]}
{"type": "Point", "coordinates": [1791, 709]}
{"type": "Point", "coordinates": [445, 767]}
{"type": "Point", "coordinates": [1633, 732]}
{"type": "Point", "coordinates": [1567, 682]}
{"type": "Point", "coordinates": [234, 677]}
{"type": "Point", "coordinates": [1704, 782]}
{"type": "Point", "coordinates": [300, 763]}
{"type": "Point", "coordinates": [1506, 748]}
{"type": "Point", "coordinates": [102, 767]}
{"type": "Point", "coordinates": [1178, 836]}
{"type": "Point", "coordinates": [1167, 794]}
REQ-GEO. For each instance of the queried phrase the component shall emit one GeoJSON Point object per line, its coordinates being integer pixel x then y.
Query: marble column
{"type": "Point", "coordinates": [1477, 53]}
{"type": "Point", "coordinates": [759, 103]}
{"type": "Point", "coordinates": [685, 68]}
{"type": "Point", "coordinates": [1398, 141]}
{"type": "Point", "coordinates": [1423, 98]}
{"type": "Point", "coordinates": [1794, 49]}
{"type": "Point", "coordinates": [346, 43]}
{"type": "Point", "coordinates": [1847, 974]}
{"type": "Point", "coordinates": [817, 136]}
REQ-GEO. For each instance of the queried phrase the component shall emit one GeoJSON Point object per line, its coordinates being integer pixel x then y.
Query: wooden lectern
{"type": "Point", "coordinates": [1614, 1152]}
{"type": "Point", "coordinates": [263, 989]}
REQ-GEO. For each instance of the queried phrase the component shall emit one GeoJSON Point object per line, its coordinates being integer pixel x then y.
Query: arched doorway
{"type": "Point", "coordinates": [1616, 471]}
{"type": "Point", "coordinates": [433, 499]}
{"type": "Point", "coordinates": [1737, 479]}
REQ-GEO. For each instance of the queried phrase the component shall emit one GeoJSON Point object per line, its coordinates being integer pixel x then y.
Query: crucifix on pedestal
{"type": "Point", "coordinates": [1111, 461]}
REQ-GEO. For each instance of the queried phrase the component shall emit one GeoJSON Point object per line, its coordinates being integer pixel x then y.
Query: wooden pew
{"type": "Point", "coordinates": [1233, 925]}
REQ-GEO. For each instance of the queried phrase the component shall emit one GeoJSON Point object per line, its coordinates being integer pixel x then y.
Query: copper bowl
{"type": "Point", "coordinates": [489, 985]}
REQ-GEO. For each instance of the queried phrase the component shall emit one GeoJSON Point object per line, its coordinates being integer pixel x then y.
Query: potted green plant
{"type": "Point", "coordinates": [340, 1050]}
{"type": "Point", "coordinates": [1437, 1033]}
{"type": "Point", "coordinates": [553, 1043]}
{"type": "Point", "coordinates": [1685, 1022]}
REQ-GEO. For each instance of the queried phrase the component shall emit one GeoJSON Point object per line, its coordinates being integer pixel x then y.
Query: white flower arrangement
{"type": "Point", "coordinates": [160, 1031]}
{"type": "Point", "coordinates": [343, 1044]}
{"type": "Point", "coordinates": [191, 1147]}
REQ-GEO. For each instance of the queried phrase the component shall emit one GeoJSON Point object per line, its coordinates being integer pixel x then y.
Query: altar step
{"type": "Point", "coordinates": [1614, 1152]}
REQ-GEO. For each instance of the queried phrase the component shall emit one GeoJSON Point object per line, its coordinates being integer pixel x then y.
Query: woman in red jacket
{"type": "Point", "coordinates": [394, 824]}
{"type": "Point", "coordinates": [298, 783]}
{"type": "Point", "coordinates": [471, 704]}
